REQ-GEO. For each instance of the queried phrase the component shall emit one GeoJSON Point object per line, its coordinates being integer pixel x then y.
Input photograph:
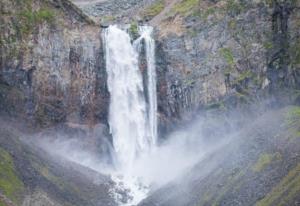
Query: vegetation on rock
{"type": "Point", "coordinates": [185, 7]}
{"type": "Point", "coordinates": [154, 9]}
{"type": "Point", "coordinates": [263, 161]}
{"type": "Point", "coordinates": [10, 184]}
{"type": "Point", "coordinates": [285, 191]}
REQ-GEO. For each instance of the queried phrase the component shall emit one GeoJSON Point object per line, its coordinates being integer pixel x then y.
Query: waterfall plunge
{"type": "Point", "coordinates": [132, 119]}
{"type": "Point", "coordinates": [146, 32]}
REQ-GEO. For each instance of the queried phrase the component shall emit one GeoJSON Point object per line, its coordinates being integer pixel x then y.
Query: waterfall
{"type": "Point", "coordinates": [132, 119]}
{"type": "Point", "coordinates": [133, 124]}
{"type": "Point", "coordinates": [146, 32]}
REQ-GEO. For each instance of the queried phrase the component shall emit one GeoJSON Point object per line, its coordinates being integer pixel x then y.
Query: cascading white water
{"type": "Point", "coordinates": [132, 121]}
{"type": "Point", "coordinates": [146, 32]}
{"type": "Point", "coordinates": [127, 110]}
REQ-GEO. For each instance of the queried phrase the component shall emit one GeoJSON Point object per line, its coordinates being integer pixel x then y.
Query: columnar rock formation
{"type": "Point", "coordinates": [51, 63]}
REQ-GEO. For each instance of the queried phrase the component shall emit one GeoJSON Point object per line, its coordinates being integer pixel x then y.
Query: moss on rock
{"type": "Point", "coordinates": [10, 184]}
{"type": "Point", "coordinates": [263, 161]}
{"type": "Point", "coordinates": [226, 53]}
{"type": "Point", "coordinates": [185, 7]}
{"type": "Point", "coordinates": [154, 9]}
{"type": "Point", "coordinates": [285, 191]}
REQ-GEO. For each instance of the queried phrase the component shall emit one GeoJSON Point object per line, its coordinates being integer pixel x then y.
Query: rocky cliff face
{"type": "Point", "coordinates": [30, 177]}
{"type": "Point", "coordinates": [210, 55]}
{"type": "Point", "coordinates": [107, 11]}
{"type": "Point", "coordinates": [220, 54]}
{"type": "Point", "coordinates": [51, 63]}
{"type": "Point", "coordinates": [259, 166]}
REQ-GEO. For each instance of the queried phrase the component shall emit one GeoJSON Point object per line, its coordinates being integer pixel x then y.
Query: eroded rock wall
{"type": "Point", "coordinates": [51, 67]}
{"type": "Point", "coordinates": [220, 54]}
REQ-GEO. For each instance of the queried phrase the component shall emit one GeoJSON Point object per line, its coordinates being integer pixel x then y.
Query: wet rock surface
{"type": "Point", "coordinates": [51, 64]}
{"type": "Point", "coordinates": [223, 54]}
{"type": "Point", "coordinates": [258, 165]}
{"type": "Point", "coordinates": [50, 180]}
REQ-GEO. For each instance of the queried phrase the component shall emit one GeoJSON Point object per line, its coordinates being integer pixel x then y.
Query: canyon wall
{"type": "Point", "coordinates": [210, 55]}
{"type": "Point", "coordinates": [227, 54]}
{"type": "Point", "coordinates": [51, 65]}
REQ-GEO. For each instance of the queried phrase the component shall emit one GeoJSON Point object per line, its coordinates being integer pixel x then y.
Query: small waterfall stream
{"type": "Point", "coordinates": [146, 32]}
{"type": "Point", "coordinates": [132, 119]}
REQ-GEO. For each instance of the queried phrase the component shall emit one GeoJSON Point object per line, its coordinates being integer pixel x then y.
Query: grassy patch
{"type": "Point", "coordinates": [293, 116]}
{"type": "Point", "coordinates": [233, 182]}
{"type": "Point", "coordinates": [268, 45]}
{"type": "Point", "coordinates": [292, 121]}
{"type": "Point", "coordinates": [264, 160]}
{"type": "Point", "coordinates": [154, 9]}
{"type": "Point", "coordinates": [29, 19]}
{"type": "Point", "coordinates": [244, 75]}
{"type": "Point", "coordinates": [108, 18]}
{"type": "Point", "coordinates": [2, 203]}
{"type": "Point", "coordinates": [228, 56]}
{"type": "Point", "coordinates": [10, 184]}
{"type": "Point", "coordinates": [285, 191]}
{"type": "Point", "coordinates": [185, 7]}
{"type": "Point", "coordinates": [234, 7]}
{"type": "Point", "coordinates": [60, 182]}
{"type": "Point", "coordinates": [134, 30]}
{"type": "Point", "coordinates": [295, 53]}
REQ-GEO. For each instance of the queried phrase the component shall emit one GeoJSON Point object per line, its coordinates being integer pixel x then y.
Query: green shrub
{"type": "Point", "coordinates": [285, 191]}
{"type": "Point", "coordinates": [44, 15]}
{"type": "Point", "coordinates": [29, 19]}
{"type": "Point", "coordinates": [263, 161]}
{"type": "Point", "coordinates": [10, 184]}
{"type": "Point", "coordinates": [227, 55]}
{"type": "Point", "coordinates": [295, 53]}
{"type": "Point", "coordinates": [185, 7]}
{"type": "Point", "coordinates": [292, 121]}
{"type": "Point", "coordinates": [234, 7]}
{"type": "Point", "coordinates": [154, 9]}
{"type": "Point", "coordinates": [244, 75]}
{"type": "Point", "coordinates": [134, 30]}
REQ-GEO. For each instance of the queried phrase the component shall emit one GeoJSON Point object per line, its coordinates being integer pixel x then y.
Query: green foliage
{"type": "Point", "coordinates": [292, 121]}
{"type": "Point", "coordinates": [244, 75]}
{"type": "Point", "coordinates": [10, 184]}
{"type": "Point", "coordinates": [233, 182]}
{"type": "Point", "coordinates": [268, 45]}
{"type": "Point", "coordinates": [228, 56]}
{"type": "Point", "coordinates": [108, 18]}
{"type": "Point", "coordinates": [295, 53]}
{"type": "Point", "coordinates": [234, 7]}
{"type": "Point", "coordinates": [29, 19]}
{"type": "Point", "coordinates": [232, 24]}
{"type": "Point", "coordinates": [44, 15]}
{"type": "Point", "coordinates": [204, 12]}
{"type": "Point", "coordinates": [185, 7]}
{"type": "Point", "coordinates": [2, 203]}
{"type": "Point", "coordinates": [293, 117]}
{"type": "Point", "coordinates": [154, 9]}
{"type": "Point", "coordinates": [285, 191]}
{"type": "Point", "coordinates": [263, 161]}
{"type": "Point", "coordinates": [133, 30]}
{"type": "Point", "coordinates": [58, 181]}
{"type": "Point", "coordinates": [208, 12]}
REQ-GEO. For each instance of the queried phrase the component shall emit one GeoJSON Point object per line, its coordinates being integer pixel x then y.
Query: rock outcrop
{"type": "Point", "coordinates": [31, 177]}
{"type": "Point", "coordinates": [224, 54]}
{"type": "Point", "coordinates": [257, 165]}
{"type": "Point", "coordinates": [51, 66]}
{"type": "Point", "coordinates": [218, 54]}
